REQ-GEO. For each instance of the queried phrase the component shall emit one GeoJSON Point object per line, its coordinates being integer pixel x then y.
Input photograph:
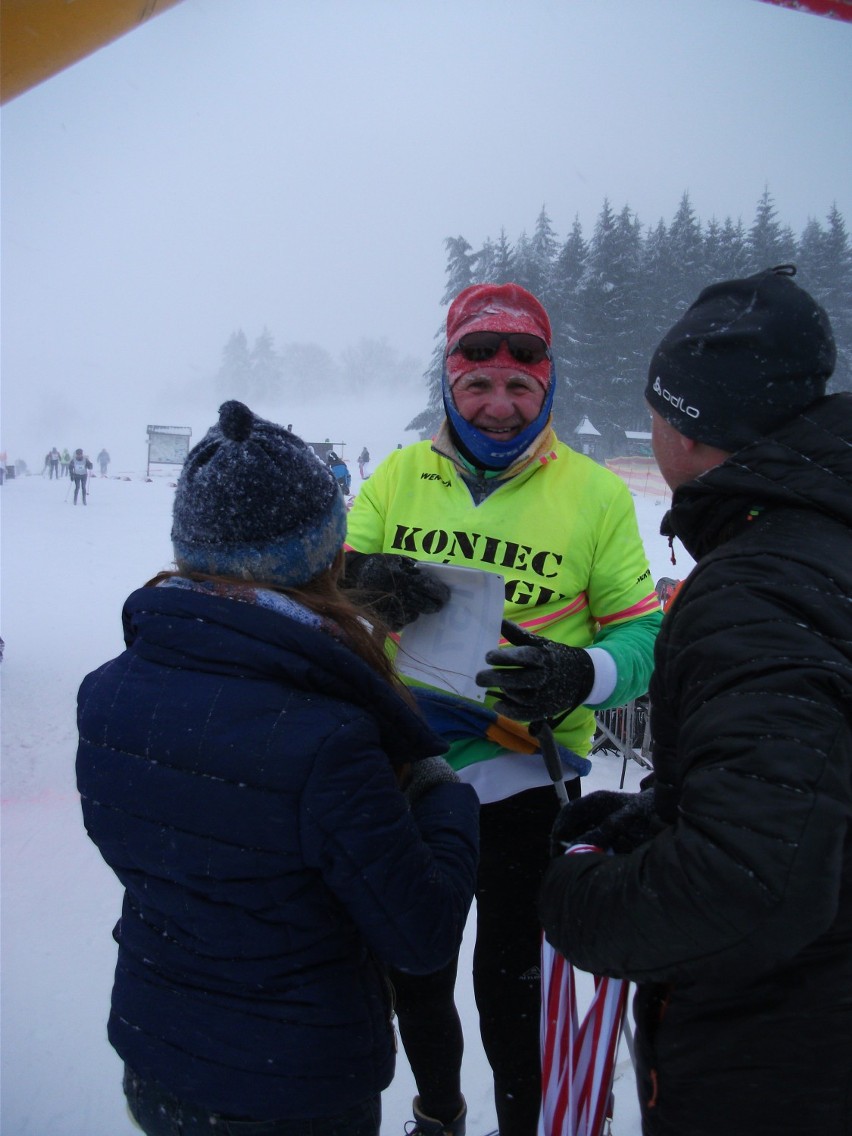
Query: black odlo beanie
{"type": "Point", "coordinates": [748, 355]}
{"type": "Point", "coordinates": [254, 501]}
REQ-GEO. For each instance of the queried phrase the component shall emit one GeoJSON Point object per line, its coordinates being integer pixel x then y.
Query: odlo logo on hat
{"type": "Point", "coordinates": [676, 400]}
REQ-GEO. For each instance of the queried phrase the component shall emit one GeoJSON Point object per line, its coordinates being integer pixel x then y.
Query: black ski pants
{"type": "Point", "coordinates": [514, 851]}
{"type": "Point", "coordinates": [79, 483]}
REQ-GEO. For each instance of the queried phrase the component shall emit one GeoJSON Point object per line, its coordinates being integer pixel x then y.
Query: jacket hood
{"type": "Point", "coordinates": [220, 635]}
{"type": "Point", "coordinates": [805, 464]}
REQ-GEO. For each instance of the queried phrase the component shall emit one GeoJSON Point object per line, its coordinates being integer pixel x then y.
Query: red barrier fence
{"type": "Point", "coordinates": [641, 475]}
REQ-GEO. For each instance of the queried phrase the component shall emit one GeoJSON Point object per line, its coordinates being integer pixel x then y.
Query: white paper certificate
{"type": "Point", "coordinates": [448, 648]}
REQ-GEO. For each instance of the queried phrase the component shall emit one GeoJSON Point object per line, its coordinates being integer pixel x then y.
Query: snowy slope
{"type": "Point", "coordinates": [66, 572]}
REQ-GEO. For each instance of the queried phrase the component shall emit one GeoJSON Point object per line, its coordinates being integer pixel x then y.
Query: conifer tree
{"type": "Point", "coordinates": [308, 370]}
{"type": "Point", "coordinates": [810, 256]}
{"type": "Point", "coordinates": [233, 379]}
{"type": "Point", "coordinates": [712, 252]}
{"type": "Point", "coordinates": [429, 419]}
{"type": "Point", "coordinates": [460, 265]}
{"type": "Point", "coordinates": [524, 267]}
{"type": "Point", "coordinates": [373, 364]}
{"type": "Point", "coordinates": [687, 252]}
{"type": "Point", "coordinates": [768, 243]}
{"type": "Point", "coordinates": [734, 249]}
{"type": "Point", "coordinates": [266, 373]}
{"type": "Point", "coordinates": [824, 261]}
{"type": "Point", "coordinates": [460, 262]}
{"type": "Point", "coordinates": [484, 262]}
{"type": "Point", "coordinates": [611, 298]}
{"type": "Point", "coordinates": [608, 391]}
{"type": "Point", "coordinates": [503, 267]}
{"type": "Point", "coordinates": [659, 291]}
{"type": "Point", "coordinates": [543, 249]}
{"type": "Point", "coordinates": [566, 311]}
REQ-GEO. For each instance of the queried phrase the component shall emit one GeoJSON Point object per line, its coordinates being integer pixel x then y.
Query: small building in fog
{"type": "Point", "coordinates": [637, 443]}
{"type": "Point", "coordinates": [587, 440]}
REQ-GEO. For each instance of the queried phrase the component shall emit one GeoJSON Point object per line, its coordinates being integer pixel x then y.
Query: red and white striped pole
{"type": "Point", "coordinates": [577, 1055]}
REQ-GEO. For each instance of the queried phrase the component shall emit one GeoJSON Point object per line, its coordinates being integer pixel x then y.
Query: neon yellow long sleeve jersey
{"type": "Point", "coordinates": [562, 532]}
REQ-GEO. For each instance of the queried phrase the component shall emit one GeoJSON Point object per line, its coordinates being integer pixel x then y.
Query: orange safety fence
{"type": "Point", "coordinates": [641, 476]}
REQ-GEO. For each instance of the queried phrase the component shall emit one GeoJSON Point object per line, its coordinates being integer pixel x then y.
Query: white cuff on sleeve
{"type": "Point", "coordinates": [606, 676]}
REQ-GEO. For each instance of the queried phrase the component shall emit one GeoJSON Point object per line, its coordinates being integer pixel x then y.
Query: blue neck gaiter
{"type": "Point", "coordinates": [485, 452]}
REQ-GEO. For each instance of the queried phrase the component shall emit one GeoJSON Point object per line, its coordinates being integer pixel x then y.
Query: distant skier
{"type": "Point", "coordinates": [363, 459]}
{"type": "Point", "coordinates": [51, 463]}
{"type": "Point", "coordinates": [79, 469]}
{"type": "Point", "coordinates": [103, 462]}
{"type": "Point", "coordinates": [340, 470]}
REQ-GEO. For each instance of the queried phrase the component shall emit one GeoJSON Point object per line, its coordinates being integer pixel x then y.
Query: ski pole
{"type": "Point", "coordinates": [541, 730]}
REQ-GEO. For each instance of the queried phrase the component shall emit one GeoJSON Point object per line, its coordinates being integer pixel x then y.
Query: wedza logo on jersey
{"type": "Point", "coordinates": [676, 400]}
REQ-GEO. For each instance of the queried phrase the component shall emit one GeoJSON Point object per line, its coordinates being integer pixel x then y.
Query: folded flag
{"type": "Point", "coordinates": [457, 719]}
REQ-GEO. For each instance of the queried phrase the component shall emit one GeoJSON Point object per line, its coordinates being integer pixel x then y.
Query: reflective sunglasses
{"type": "Point", "coordinates": [479, 346]}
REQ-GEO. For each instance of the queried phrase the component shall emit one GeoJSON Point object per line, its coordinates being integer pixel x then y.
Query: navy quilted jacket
{"type": "Point", "coordinates": [235, 772]}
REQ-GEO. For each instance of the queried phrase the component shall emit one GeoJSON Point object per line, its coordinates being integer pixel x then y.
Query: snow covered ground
{"type": "Point", "coordinates": [66, 573]}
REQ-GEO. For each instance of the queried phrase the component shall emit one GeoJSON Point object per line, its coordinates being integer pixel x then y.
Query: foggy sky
{"type": "Point", "coordinates": [297, 166]}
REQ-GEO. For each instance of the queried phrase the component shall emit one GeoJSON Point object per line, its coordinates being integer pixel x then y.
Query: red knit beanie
{"type": "Point", "coordinates": [497, 307]}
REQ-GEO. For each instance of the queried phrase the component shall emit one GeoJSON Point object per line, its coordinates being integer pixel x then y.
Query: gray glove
{"type": "Point", "coordinates": [426, 774]}
{"type": "Point", "coordinates": [607, 819]}
{"type": "Point", "coordinates": [393, 587]}
{"type": "Point", "coordinates": [537, 678]}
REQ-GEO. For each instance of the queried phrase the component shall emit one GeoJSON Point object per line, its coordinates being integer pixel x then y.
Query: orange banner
{"type": "Point", "coordinates": [38, 38]}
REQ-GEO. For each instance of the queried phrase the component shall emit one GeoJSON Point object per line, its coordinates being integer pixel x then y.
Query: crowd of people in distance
{"type": "Point", "coordinates": [77, 466]}
{"type": "Point", "coordinates": [63, 463]}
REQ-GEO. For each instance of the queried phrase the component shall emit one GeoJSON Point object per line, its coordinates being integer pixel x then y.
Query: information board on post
{"type": "Point", "coordinates": [168, 445]}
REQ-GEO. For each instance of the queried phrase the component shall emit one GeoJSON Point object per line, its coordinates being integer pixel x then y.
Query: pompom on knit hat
{"type": "Point", "coordinates": [746, 357]}
{"type": "Point", "coordinates": [496, 307]}
{"type": "Point", "coordinates": [253, 501]}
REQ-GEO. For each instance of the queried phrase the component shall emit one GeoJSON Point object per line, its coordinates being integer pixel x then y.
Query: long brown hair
{"type": "Point", "coordinates": [361, 631]}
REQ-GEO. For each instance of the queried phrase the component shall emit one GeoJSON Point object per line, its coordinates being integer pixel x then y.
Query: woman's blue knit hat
{"type": "Point", "coordinates": [254, 501]}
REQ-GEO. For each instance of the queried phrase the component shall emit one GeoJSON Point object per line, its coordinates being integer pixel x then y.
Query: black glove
{"type": "Point", "coordinates": [393, 587]}
{"type": "Point", "coordinates": [426, 774]}
{"type": "Point", "coordinates": [536, 677]}
{"type": "Point", "coordinates": [620, 821]}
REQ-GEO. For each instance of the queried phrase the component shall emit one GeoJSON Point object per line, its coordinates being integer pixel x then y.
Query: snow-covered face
{"type": "Point", "coordinates": [499, 401]}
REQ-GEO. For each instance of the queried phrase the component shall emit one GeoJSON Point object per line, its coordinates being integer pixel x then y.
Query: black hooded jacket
{"type": "Point", "coordinates": [736, 920]}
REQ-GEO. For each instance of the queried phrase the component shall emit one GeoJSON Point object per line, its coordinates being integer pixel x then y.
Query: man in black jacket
{"type": "Point", "coordinates": [729, 899]}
